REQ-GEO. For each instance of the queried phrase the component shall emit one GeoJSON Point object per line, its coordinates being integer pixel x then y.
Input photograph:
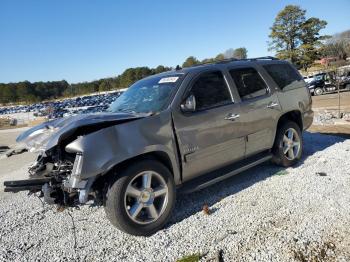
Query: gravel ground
{"type": "Point", "coordinates": [265, 214]}
{"type": "Point", "coordinates": [329, 117]}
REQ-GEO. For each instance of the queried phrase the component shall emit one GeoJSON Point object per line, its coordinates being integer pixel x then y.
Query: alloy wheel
{"type": "Point", "coordinates": [146, 197]}
{"type": "Point", "coordinates": [291, 144]}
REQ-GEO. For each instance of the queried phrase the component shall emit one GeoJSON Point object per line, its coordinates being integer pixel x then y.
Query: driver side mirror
{"type": "Point", "coordinates": [189, 105]}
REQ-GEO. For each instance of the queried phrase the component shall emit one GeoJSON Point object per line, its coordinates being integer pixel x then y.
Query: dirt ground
{"type": "Point", "coordinates": [340, 130]}
{"type": "Point", "coordinates": [8, 136]}
{"type": "Point", "coordinates": [330, 102]}
{"type": "Point", "coordinates": [8, 166]}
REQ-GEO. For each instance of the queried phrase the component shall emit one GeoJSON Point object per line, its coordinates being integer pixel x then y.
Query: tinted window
{"type": "Point", "coordinates": [210, 90]}
{"type": "Point", "coordinates": [248, 82]}
{"type": "Point", "coordinates": [283, 74]}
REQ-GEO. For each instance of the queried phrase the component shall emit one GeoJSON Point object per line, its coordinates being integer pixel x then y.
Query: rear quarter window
{"type": "Point", "coordinates": [285, 76]}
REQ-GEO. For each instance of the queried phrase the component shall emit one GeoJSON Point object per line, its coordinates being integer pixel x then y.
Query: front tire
{"type": "Point", "coordinates": [288, 146]}
{"type": "Point", "coordinates": [318, 91]}
{"type": "Point", "coordinates": [140, 200]}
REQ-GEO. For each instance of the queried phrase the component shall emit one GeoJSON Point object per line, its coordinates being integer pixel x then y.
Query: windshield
{"type": "Point", "coordinates": [318, 77]}
{"type": "Point", "coordinates": [146, 96]}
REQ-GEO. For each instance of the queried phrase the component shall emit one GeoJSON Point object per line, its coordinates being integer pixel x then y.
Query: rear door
{"type": "Point", "coordinates": [292, 92]}
{"type": "Point", "coordinates": [259, 107]}
{"type": "Point", "coordinates": [210, 137]}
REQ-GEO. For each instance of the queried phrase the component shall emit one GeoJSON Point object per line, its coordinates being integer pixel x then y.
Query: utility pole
{"type": "Point", "coordinates": [337, 76]}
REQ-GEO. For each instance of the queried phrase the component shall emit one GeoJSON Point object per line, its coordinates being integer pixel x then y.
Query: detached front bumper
{"type": "Point", "coordinates": [58, 183]}
{"type": "Point", "coordinates": [31, 185]}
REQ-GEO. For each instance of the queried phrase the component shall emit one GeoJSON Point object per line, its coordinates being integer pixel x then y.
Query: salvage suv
{"type": "Point", "coordinates": [176, 131]}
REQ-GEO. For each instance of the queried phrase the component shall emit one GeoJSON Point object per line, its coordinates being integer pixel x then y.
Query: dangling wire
{"type": "Point", "coordinates": [74, 232]}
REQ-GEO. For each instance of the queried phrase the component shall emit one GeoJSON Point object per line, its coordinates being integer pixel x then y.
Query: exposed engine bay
{"type": "Point", "coordinates": [55, 177]}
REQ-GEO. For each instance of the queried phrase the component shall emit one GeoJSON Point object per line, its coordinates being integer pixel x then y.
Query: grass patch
{"type": "Point", "coordinates": [190, 258]}
{"type": "Point", "coordinates": [282, 173]}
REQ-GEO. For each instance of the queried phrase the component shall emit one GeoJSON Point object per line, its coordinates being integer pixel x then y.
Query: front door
{"type": "Point", "coordinates": [210, 137]}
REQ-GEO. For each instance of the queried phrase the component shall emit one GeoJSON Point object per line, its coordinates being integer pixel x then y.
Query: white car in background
{"type": "Point", "coordinates": [308, 79]}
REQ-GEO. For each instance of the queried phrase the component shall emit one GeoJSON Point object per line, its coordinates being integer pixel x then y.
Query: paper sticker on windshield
{"type": "Point", "coordinates": [172, 79]}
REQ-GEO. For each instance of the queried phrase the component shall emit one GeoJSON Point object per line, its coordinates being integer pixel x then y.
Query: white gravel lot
{"type": "Point", "coordinates": [265, 214]}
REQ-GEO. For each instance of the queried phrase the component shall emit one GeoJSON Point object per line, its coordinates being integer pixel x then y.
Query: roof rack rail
{"type": "Point", "coordinates": [247, 59]}
{"type": "Point", "coordinates": [228, 60]}
{"type": "Point", "coordinates": [264, 58]}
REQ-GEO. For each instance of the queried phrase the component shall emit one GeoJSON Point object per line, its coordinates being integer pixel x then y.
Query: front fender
{"type": "Point", "coordinates": [104, 149]}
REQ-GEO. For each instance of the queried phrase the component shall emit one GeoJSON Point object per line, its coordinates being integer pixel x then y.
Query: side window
{"type": "Point", "coordinates": [210, 90]}
{"type": "Point", "coordinates": [284, 75]}
{"type": "Point", "coordinates": [248, 82]}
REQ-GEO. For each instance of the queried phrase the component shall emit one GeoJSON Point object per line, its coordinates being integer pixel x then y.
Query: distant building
{"type": "Point", "coordinates": [326, 60]}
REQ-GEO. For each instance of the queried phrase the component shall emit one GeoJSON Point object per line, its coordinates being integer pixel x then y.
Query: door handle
{"type": "Point", "coordinates": [272, 105]}
{"type": "Point", "coordinates": [232, 117]}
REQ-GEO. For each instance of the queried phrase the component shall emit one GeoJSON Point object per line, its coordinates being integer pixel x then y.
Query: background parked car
{"type": "Point", "coordinates": [308, 79]}
{"type": "Point", "coordinates": [328, 82]}
{"type": "Point", "coordinates": [321, 83]}
{"type": "Point", "coordinates": [66, 107]}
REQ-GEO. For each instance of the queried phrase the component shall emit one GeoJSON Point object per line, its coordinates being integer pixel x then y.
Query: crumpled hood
{"type": "Point", "coordinates": [50, 133]}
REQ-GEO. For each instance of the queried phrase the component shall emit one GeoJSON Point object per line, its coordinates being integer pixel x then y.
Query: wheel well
{"type": "Point", "coordinates": [156, 155]}
{"type": "Point", "coordinates": [294, 116]}
{"type": "Point", "coordinates": [101, 183]}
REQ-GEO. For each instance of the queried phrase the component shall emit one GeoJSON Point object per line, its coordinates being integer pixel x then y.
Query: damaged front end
{"type": "Point", "coordinates": [57, 175]}
{"type": "Point", "coordinates": [57, 179]}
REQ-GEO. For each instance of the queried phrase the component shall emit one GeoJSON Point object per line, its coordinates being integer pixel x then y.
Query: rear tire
{"type": "Point", "coordinates": [288, 146]}
{"type": "Point", "coordinates": [138, 207]}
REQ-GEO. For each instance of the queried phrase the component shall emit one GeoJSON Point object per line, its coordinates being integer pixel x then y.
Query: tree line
{"type": "Point", "coordinates": [27, 92]}
{"type": "Point", "coordinates": [238, 53]}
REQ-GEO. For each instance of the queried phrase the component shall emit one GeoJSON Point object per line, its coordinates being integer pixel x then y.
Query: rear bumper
{"type": "Point", "coordinates": [308, 118]}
